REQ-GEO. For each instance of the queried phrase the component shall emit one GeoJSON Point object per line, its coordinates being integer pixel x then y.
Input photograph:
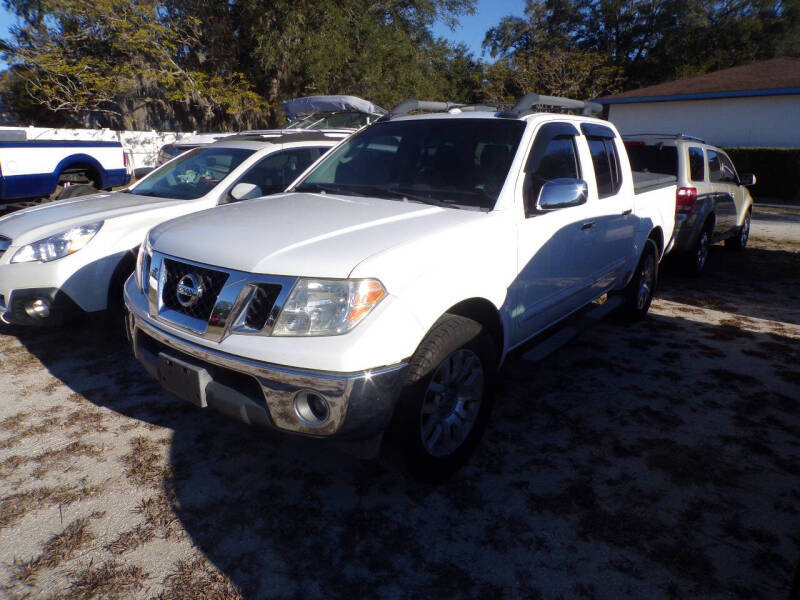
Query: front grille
{"type": "Point", "coordinates": [261, 304]}
{"type": "Point", "coordinates": [210, 280]}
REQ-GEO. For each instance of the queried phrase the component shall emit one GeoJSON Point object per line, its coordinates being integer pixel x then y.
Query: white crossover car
{"type": "Point", "coordinates": [72, 256]}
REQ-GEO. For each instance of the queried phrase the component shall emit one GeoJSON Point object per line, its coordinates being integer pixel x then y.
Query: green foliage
{"type": "Point", "coordinates": [777, 170]}
{"type": "Point", "coordinates": [209, 65]}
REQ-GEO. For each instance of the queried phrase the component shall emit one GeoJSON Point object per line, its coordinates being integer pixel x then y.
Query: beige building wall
{"type": "Point", "coordinates": [755, 121]}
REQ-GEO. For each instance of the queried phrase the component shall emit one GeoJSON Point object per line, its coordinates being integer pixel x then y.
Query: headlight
{"type": "Point", "coordinates": [143, 265]}
{"type": "Point", "coordinates": [327, 306]}
{"type": "Point", "coordinates": [57, 246]}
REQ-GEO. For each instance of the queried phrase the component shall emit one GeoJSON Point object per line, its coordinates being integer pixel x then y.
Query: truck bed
{"type": "Point", "coordinates": [644, 181]}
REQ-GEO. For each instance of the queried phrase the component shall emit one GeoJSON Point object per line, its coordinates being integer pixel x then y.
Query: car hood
{"type": "Point", "coordinates": [37, 222]}
{"type": "Point", "coordinates": [313, 235]}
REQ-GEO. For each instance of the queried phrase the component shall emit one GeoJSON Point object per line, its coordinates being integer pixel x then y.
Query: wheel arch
{"type": "Point", "coordinates": [119, 275]}
{"type": "Point", "coordinates": [94, 170]}
{"type": "Point", "coordinates": [485, 313]}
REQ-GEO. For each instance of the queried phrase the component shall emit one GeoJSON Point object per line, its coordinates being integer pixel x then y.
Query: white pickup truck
{"type": "Point", "coordinates": [33, 168]}
{"type": "Point", "coordinates": [386, 288]}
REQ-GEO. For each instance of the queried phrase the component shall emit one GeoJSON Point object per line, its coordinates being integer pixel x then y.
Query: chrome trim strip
{"type": "Point", "coordinates": [253, 367]}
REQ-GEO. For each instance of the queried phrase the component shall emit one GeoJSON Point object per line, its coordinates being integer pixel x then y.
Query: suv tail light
{"type": "Point", "coordinates": [684, 200]}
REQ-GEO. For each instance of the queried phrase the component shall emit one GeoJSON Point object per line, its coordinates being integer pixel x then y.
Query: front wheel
{"type": "Point", "coordinates": [445, 404]}
{"type": "Point", "coordinates": [739, 241]}
{"type": "Point", "coordinates": [638, 294]}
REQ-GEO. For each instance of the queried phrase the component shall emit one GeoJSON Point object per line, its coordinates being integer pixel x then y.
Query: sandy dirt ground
{"type": "Point", "coordinates": [659, 460]}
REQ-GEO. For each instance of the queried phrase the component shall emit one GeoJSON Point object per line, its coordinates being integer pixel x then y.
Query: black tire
{"type": "Point", "coordinates": [452, 338]}
{"type": "Point", "coordinates": [739, 241]}
{"type": "Point", "coordinates": [696, 259]}
{"type": "Point", "coordinates": [79, 189]}
{"type": "Point", "coordinates": [116, 312]}
{"type": "Point", "coordinates": [638, 294]}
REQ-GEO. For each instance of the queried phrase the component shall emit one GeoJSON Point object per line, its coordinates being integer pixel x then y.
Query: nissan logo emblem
{"type": "Point", "coordinates": [189, 290]}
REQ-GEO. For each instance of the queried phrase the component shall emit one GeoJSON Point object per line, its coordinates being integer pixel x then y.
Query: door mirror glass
{"type": "Point", "coordinates": [747, 179]}
{"type": "Point", "coordinates": [562, 193]}
{"type": "Point", "coordinates": [245, 191]}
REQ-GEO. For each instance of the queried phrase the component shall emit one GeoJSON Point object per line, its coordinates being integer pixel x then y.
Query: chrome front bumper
{"type": "Point", "coordinates": [263, 394]}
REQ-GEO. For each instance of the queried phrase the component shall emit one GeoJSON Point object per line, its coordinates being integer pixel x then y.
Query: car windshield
{"type": "Point", "coordinates": [461, 163]}
{"type": "Point", "coordinates": [192, 175]}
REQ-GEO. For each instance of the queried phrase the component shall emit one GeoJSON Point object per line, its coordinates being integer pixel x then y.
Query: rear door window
{"type": "Point", "coordinates": [697, 169]}
{"type": "Point", "coordinates": [606, 166]}
{"type": "Point", "coordinates": [714, 167]}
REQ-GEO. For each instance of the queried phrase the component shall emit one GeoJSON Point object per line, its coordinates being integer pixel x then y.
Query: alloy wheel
{"type": "Point", "coordinates": [451, 403]}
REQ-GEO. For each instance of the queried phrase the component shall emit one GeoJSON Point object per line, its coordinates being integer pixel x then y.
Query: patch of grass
{"type": "Point", "coordinates": [16, 506]}
{"type": "Point", "coordinates": [131, 539]}
{"type": "Point", "coordinates": [85, 420]}
{"type": "Point", "coordinates": [14, 422]}
{"type": "Point", "coordinates": [109, 580]}
{"type": "Point", "coordinates": [199, 579]}
{"type": "Point", "coordinates": [144, 463]}
{"type": "Point", "coordinates": [159, 515]}
{"type": "Point", "coordinates": [46, 425]}
{"type": "Point", "coordinates": [58, 548]}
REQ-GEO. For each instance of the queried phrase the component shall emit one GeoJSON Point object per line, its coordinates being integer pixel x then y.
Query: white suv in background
{"type": "Point", "coordinates": [712, 202]}
{"type": "Point", "coordinates": [64, 258]}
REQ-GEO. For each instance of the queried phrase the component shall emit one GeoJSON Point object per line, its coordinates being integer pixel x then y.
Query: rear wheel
{"type": "Point", "coordinates": [739, 241]}
{"type": "Point", "coordinates": [696, 258]}
{"type": "Point", "coordinates": [445, 404]}
{"type": "Point", "coordinates": [639, 292]}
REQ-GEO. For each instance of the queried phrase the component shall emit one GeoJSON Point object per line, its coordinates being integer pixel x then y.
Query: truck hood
{"type": "Point", "coordinates": [314, 235]}
{"type": "Point", "coordinates": [38, 222]}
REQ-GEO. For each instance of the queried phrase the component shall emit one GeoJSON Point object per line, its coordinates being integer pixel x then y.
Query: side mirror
{"type": "Point", "coordinates": [562, 193]}
{"type": "Point", "coordinates": [245, 191]}
{"type": "Point", "coordinates": [747, 179]}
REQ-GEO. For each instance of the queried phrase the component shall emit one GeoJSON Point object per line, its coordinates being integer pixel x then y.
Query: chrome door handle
{"type": "Point", "coordinates": [589, 225]}
{"type": "Point", "coordinates": [627, 212]}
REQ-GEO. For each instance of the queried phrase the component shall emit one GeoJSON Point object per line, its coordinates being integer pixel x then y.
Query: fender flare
{"type": "Point", "coordinates": [76, 159]}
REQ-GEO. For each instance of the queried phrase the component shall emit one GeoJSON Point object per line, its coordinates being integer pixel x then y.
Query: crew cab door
{"type": "Point", "coordinates": [615, 222]}
{"type": "Point", "coordinates": [552, 245]}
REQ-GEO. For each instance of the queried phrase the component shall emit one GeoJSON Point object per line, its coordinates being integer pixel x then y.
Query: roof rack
{"type": "Point", "coordinates": [407, 106]}
{"type": "Point", "coordinates": [528, 101]}
{"type": "Point", "coordinates": [669, 136]}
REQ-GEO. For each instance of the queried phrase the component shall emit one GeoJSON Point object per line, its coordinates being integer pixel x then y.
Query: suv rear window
{"type": "Point", "coordinates": [658, 158]}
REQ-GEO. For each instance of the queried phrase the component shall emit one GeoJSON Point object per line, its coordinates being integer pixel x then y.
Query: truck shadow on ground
{"type": "Point", "coordinates": [657, 460]}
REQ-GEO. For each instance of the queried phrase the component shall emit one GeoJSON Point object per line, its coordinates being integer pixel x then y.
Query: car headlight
{"type": "Point", "coordinates": [59, 245]}
{"type": "Point", "coordinates": [327, 306]}
{"type": "Point", "coordinates": [143, 265]}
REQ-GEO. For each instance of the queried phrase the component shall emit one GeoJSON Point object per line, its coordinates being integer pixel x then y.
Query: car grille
{"type": "Point", "coordinates": [210, 280]}
{"type": "Point", "coordinates": [260, 307]}
{"type": "Point", "coordinates": [4, 245]}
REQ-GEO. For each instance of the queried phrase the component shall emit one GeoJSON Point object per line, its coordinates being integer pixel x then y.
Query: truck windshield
{"type": "Point", "coordinates": [461, 163]}
{"type": "Point", "coordinates": [192, 175]}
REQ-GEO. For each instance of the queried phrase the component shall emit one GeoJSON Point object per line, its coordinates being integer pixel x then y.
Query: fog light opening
{"type": "Point", "coordinates": [311, 408]}
{"type": "Point", "coordinates": [38, 309]}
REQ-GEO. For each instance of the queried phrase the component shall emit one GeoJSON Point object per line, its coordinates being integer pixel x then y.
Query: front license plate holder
{"type": "Point", "coordinates": [185, 380]}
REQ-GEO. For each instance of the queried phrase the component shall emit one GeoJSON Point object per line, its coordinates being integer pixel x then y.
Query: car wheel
{"type": "Point", "coordinates": [739, 241]}
{"type": "Point", "coordinates": [638, 294]}
{"type": "Point", "coordinates": [445, 402]}
{"type": "Point", "coordinates": [73, 191]}
{"type": "Point", "coordinates": [697, 258]}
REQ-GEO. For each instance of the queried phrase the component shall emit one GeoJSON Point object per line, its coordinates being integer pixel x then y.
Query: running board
{"type": "Point", "coordinates": [563, 335]}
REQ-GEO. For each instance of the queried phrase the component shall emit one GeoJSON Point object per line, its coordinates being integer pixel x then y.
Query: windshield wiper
{"type": "Point", "coordinates": [410, 196]}
{"type": "Point", "coordinates": [328, 188]}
